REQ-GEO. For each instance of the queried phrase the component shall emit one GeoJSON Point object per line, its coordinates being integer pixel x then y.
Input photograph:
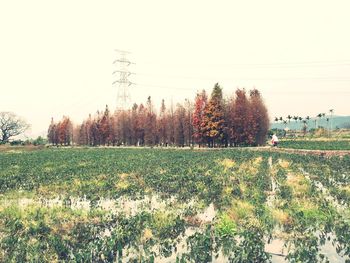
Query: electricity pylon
{"type": "Point", "coordinates": [123, 83]}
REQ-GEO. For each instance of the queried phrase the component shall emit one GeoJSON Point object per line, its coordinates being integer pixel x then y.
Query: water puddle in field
{"type": "Point", "coordinates": [272, 195]}
{"type": "Point", "coordinates": [324, 191]}
{"type": "Point", "coordinates": [121, 205]}
{"type": "Point", "coordinates": [276, 247]}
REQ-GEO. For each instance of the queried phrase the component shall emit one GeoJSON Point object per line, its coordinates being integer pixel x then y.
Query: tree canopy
{"type": "Point", "coordinates": [11, 125]}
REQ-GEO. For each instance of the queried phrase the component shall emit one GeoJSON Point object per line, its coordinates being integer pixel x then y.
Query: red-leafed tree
{"type": "Point", "coordinates": [134, 124]}
{"type": "Point", "coordinates": [141, 125]}
{"type": "Point", "coordinates": [239, 118]}
{"type": "Point", "coordinates": [197, 117]}
{"type": "Point", "coordinates": [105, 127]}
{"type": "Point", "coordinates": [123, 128]}
{"type": "Point", "coordinates": [150, 124]}
{"type": "Point", "coordinates": [188, 129]}
{"type": "Point", "coordinates": [259, 119]}
{"type": "Point", "coordinates": [180, 114]}
{"type": "Point", "coordinates": [51, 132]}
{"type": "Point", "coordinates": [81, 137]}
{"type": "Point", "coordinates": [95, 131]}
{"type": "Point", "coordinates": [171, 125]}
{"type": "Point", "coordinates": [113, 127]}
{"type": "Point", "coordinates": [64, 131]}
{"type": "Point", "coordinates": [162, 125]}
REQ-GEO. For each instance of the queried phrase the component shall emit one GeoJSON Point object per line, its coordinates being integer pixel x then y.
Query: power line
{"type": "Point", "coordinates": [275, 92]}
{"type": "Point", "coordinates": [277, 64]}
{"type": "Point", "coordinates": [248, 78]}
{"type": "Point", "coordinates": [161, 87]}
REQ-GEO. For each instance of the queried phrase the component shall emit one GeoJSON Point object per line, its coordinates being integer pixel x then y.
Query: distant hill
{"type": "Point", "coordinates": [337, 122]}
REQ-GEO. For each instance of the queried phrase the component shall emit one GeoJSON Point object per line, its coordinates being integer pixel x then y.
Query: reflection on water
{"type": "Point", "coordinates": [276, 247]}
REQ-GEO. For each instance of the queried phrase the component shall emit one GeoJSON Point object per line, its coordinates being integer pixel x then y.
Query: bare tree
{"type": "Point", "coordinates": [11, 125]}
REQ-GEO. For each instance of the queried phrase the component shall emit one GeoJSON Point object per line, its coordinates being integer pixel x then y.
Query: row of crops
{"type": "Point", "coordinates": [316, 144]}
{"type": "Point", "coordinates": [154, 205]}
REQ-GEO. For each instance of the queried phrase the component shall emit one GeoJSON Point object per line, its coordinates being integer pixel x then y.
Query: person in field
{"type": "Point", "coordinates": [274, 140]}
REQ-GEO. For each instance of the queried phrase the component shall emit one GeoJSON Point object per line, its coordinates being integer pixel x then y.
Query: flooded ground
{"type": "Point", "coordinates": [276, 247]}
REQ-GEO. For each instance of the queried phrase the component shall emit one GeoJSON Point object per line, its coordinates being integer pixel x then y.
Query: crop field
{"type": "Point", "coordinates": [173, 205]}
{"type": "Point", "coordinates": [316, 144]}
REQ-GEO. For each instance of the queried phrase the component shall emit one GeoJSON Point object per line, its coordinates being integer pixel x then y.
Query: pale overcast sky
{"type": "Point", "coordinates": [56, 56]}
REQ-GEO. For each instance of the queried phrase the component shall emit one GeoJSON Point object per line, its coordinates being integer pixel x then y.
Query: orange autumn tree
{"type": "Point", "coordinates": [180, 114]}
{"type": "Point", "coordinates": [105, 127]}
{"type": "Point", "coordinates": [198, 115]}
{"type": "Point", "coordinates": [258, 119]}
{"type": "Point", "coordinates": [51, 133]}
{"type": "Point", "coordinates": [162, 125]}
{"type": "Point", "coordinates": [150, 124]}
{"type": "Point", "coordinates": [61, 133]}
{"type": "Point", "coordinates": [239, 119]}
{"type": "Point", "coordinates": [213, 122]}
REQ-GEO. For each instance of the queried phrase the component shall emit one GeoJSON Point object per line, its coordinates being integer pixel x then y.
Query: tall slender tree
{"type": "Point", "coordinates": [162, 125]}
{"type": "Point", "coordinates": [105, 127]}
{"type": "Point", "coordinates": [240, 124]}
{"type": "Point", "coordinates": [180, 115]}
{"type": "Point", "coordinates": [51, 132]}
{"type": "Point", "coordinates": [259, 119]}
{"type": "Point", "coordinates": [150, 124]}
{"type": "Point", "coordinates": [200, 103]}
{"type": "Point", "coordinates": [213, 122]}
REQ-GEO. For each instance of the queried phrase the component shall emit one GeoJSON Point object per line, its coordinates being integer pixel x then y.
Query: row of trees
{"type": "Point", "coordinates": [61, 132]}
{"type": "Point", "coordinates": [305, 121]}
{"type": "Point", "coordinates": [238, 121]}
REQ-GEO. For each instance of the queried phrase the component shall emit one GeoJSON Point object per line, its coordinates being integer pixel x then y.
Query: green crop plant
{"type": "Point", "coordinates": [141, 205]}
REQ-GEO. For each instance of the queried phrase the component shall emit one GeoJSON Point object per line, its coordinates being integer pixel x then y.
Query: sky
{"type": "Point", "coordinates": [56, 56]}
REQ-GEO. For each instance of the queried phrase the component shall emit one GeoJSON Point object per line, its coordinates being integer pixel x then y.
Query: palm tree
{"type": "Point", "coordinates": [331, 112]}
{"type": "Point", "coordinates": [304, 127]}
{"type": "Point", "coordinates": [319, 116]}
{"type": "Point", "coordinates": [327, 119]}
{"type": "Point", "coordinates": [295, 118]}
{"type": "Point", "coordinates": [300, 120]}
{"type": "Point", "coordinates": [285, 127]}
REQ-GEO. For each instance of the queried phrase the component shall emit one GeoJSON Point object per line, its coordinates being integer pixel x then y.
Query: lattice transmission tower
{"type": "Point", "coordinates": [122, 64]}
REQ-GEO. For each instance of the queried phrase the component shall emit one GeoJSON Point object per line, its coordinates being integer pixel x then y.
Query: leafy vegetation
{"type": "Point", "coordinates": [316, 145]}
{"type": "Point", "coordinates": [139, 205]}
